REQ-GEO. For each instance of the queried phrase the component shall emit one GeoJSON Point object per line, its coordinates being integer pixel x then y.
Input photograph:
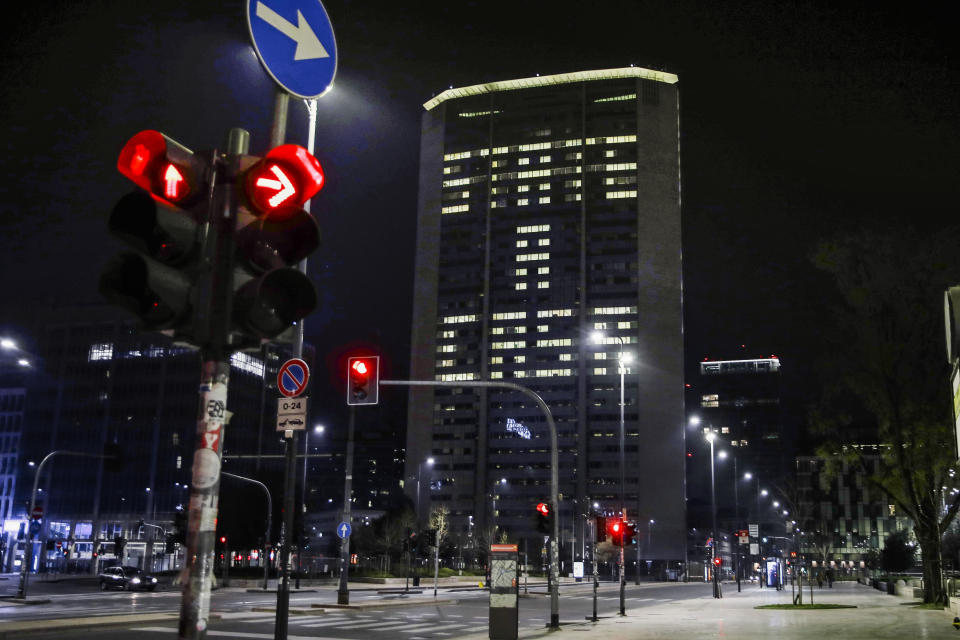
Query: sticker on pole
{"type": "Point", "coordinates": [293, 377]}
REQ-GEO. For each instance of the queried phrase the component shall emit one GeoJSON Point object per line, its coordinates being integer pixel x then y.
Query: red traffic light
{"type": "Point", "coordinates": [360, 368]}
{"type": "Point", "coordinates": [543, 508]}
{"type": "Point", "coordinates": [615, 527]}
{"type": "Point", "coordinates": [363, 380]}
{"type": "Point", "coordinates": [223, 539]}
{"type": "Point", "coordinates": [718, 561]}
{"type": "Point", "coordinates": [160, 165]}
{"type": "Point", "coordinates": [283, 180]}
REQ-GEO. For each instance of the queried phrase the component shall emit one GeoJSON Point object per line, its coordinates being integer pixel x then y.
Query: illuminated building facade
{"type": "Point", "coordinates": [549, 209]}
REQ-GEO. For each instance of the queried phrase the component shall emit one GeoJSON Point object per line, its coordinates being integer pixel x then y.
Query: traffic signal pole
{"type": "Point", "coordinates": [213, 307]}
{"type": "Point", "coordinates": [554, 472]}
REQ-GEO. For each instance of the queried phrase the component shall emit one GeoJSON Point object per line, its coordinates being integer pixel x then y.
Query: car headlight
{"type": "Point", "coordinates": [135, 580]}
{"type": "Point", "coordinates": [153, 579]}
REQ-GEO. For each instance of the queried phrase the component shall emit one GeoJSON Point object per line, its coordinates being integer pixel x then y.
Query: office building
{"type": "Point", "coordinates": [549, 209]}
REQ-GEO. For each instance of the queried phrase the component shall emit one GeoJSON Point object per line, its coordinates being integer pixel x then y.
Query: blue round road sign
{"type": "Point", "coordinates": [343, 530]}
{"type": "Point", "coordinates": [294, 41]}
{"type": "Point", "coordinates": [292, 378]}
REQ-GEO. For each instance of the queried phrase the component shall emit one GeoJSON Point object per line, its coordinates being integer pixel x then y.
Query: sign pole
{"type": "Point", "coordinates": [343, 591]}
{"type": "Point", "coordinates": [212, 418]}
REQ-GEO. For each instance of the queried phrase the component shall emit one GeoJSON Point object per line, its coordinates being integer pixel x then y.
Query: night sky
{"type": "Point", "coordinates": [799, 120]}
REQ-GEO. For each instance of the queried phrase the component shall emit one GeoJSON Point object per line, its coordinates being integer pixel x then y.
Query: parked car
{"type": "Point", "coordinates": [127, 579]}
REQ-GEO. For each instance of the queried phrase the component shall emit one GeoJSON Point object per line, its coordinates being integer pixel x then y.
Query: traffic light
{"type": "Point", "coordinates": [180, 526]}
{"type": "Point", "coordinates": [170, 544]}
{"type": "Point", "coordinates": [274, 234]}
{"type": "Point", "coordinates": [190, 273]}
{"type": "Point", "coordinates": [413, 543]}
{"type": "Point", "coordinates": [629, 533]}
{"type": "Point", "coordinates": [615, 531]}
{"type": "Point", "coordinates": [717, 561]}
{"type": "Point", "coordinates": [600, 524]}
{"type": "Point", "coordinates": [544, 518]}
{"type": "Point", "coordinates": [363, 380]}
{"type": "Point", "coordinates": [118, 543]}
{"type": "Point", "coordinates": [162, 223]}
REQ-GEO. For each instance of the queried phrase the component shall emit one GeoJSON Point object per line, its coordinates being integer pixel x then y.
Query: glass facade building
{"type": "Point", "coordinates": [548, 243]}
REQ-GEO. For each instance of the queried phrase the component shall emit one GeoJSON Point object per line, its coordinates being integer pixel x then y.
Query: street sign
{"type": "Point", "coordinates": [295, 43]}
{"type": "Point", "coordinates": [343, 530]}
{"type": "Point", "coordinates": [744, 539]}
{"type": "Point", "coordinates": [292, 414]}
{"type": "Point", "coordinates": [754, 549]}
{"type": "Point", "coordinates": [37, 512]}
{"type": "Point", "coordinates": [35, 527]}
{"type": "Point", "coordinates": [293, 377]}
{"type": "Point", "coordinates": [754, 530]}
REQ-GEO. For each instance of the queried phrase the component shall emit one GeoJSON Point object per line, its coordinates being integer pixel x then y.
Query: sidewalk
{"type": "Point", "coordinates": [877, 616]}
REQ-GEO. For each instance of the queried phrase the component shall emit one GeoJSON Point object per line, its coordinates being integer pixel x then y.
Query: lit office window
{"type": "Point", "coordinates": [544, 200]}
{"type": "Point", "coordinates": [520, 286]}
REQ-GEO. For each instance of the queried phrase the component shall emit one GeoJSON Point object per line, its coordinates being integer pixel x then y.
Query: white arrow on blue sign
{"type": "Point", "coordinates": [294, 41]}
{"type": "Point", "coordinates": [343, 530]}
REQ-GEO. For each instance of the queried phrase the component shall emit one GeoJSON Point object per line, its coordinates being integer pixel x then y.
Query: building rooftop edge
{"type": "Point", "coordinates": [541, 81]}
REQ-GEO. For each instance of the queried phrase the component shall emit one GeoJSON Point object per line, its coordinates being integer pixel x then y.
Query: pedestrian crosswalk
{"type": "Point", "coordinates": [413, 627]}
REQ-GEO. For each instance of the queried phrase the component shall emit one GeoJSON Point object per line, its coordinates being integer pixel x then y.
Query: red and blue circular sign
{"type": "Point", "coordinates": [293, 377]}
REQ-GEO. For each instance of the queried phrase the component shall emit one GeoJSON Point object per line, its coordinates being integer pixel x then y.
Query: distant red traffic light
{"type": "Point", "coordinates": [543, 508]}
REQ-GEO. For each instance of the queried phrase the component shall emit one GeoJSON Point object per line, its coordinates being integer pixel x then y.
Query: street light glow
{"type": "Point", "coordinates": [711, 436]}
{"type": "Point", "coordinates": [7, 343]}
{"type": "Point", "coordinates": [694, 421]}
{"type": "Point", "coordinates": [747, 476]}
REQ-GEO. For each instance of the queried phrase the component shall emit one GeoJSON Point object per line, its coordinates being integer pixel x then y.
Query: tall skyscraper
{"type": "Point", "coordinates": [548, 243]}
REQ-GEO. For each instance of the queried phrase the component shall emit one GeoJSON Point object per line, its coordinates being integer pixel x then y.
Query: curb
{"type": "Point", "coordinates": [17, 602]}
{"type": "Point", "coordinates": [35, 627]}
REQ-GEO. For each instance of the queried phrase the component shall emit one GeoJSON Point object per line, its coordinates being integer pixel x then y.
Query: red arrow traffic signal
{"type": "Point", "coordinates": [162, 166]}
{"type": "Point", "coordinates": [282, 181]}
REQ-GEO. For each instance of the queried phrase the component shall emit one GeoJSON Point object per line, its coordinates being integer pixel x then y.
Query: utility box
{"type": "Point", "coordinates": [504, 592]}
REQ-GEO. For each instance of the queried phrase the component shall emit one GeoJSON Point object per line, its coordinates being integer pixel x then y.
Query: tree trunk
{"type": "Point", "coordinates": [928, 535]}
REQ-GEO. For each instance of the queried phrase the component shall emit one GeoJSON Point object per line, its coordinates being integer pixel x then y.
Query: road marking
{"type": "Point", "coordinates": [233, 634]}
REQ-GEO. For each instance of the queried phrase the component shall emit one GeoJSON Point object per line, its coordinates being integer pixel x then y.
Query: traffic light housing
{"type": "Point", "coordinates": [413, 543]}
{"type": "Point", "coordinates": [629, 534]}
{"type": "Point", "coordinates": [363, 380]}
{"type": "Point", "coordinates": [544, 517]}
{"type": "Point", "coordinates": [600, 528]}
{"type": "Point", "coordinates": [162, 224]}
{"type": "Point", "coordinates": [615, 530]}
{"type": "Point", "coordinates": [190, 273]}
{"type": "Point", "coordinates": [273, 234]}
{"type": "Point", "coordinates": [119, 542]}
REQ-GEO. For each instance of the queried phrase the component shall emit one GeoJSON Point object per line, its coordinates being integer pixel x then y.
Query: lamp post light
{"type": "Point", "coordinates": [493, 506]}
{"type": "Point", "coordinates": [318, 429]}
{"type": "Point", "coordinates": [711, 436]}
{"type": "Point", "coordinates": [622, 360]}
{"type": "Point", "coordinates": [429, 462]}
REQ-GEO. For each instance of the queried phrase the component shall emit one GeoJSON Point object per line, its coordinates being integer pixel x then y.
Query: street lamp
{"type": "Point", "coordinates": [492, 524]}
{"type": "Point", "coordinates": [429, 462]}
{"type": "Point", "coordinates": [318, 429]}
{"type": "Point", "coordinates": [622, 360]}
{"type": "Point", "coordinates": [711, 436]}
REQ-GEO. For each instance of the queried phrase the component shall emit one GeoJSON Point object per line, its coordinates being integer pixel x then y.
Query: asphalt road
{"type": "Point", "coordinates": [411, 617]}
